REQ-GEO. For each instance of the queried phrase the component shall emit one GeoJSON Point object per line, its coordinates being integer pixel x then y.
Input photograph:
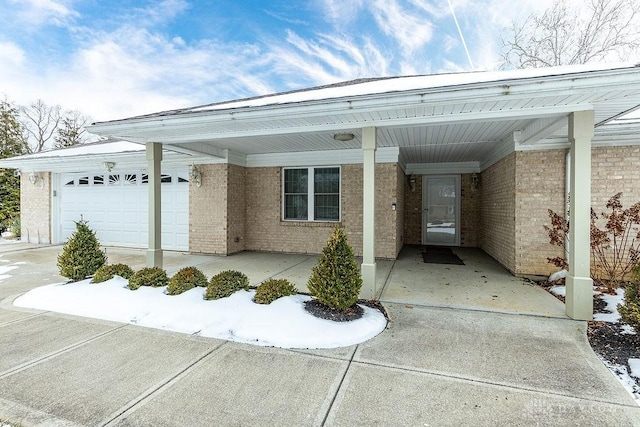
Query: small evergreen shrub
{"type": "Point", "coordinates": [272, 289]}
{"type": "Point", "coordinates": [15, 228]}
{"type": "Point", "coordinates": [224, 284]}
{"type": "Point", "coordinates": [630, 310]}
{"type": "Point", "coordinates": [185, 279]}
{"type": "Point", "coordinates": [149, 276]}
{"type": "Point", "coordinates": [107, 271]}
{"type": "Point", "coordinates": [336, 280]}
{"type": "Point", "coordinates": [81, 255]}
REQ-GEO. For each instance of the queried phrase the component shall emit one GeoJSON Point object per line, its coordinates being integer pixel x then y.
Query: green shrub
{"type": "Point", "coordinates": [15, 228]}
{"type": "Point", "coordinates": [107, 271]}
{"type": "Point", "coordinates": [630, 311]}
{"type": "Point", "coordinates": [336, 281]}
{"type": "Point", "coordinates": [81, 255]}
{"type": "Point", "coordinates": [272, 289]}
{"type": "Point", "coordinates": [149, 276]}
{"type": "Point", "coordinates": [224, 284]}
{"type": "Point", "coordinates": [185, 279]}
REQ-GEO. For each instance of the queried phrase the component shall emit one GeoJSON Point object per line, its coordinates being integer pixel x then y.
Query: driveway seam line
{"type": "Point", "coordinates": [11, 322]}
{"type": "Point", "coordinates": [491, 383]}
{"type": "Point", "coordinates": [335, 395]}
{"type": "Point", "coordinates": [57, 353]}
{"type": "Point", "coordinates": [386, 279]}
{"type": "Point", "coordinates": [307, 258]}
{"type": "Point", "coordinates": [149, 393]}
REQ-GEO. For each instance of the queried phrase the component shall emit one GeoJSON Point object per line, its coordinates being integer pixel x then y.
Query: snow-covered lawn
{"type": "Point", "coordinates": [283, 323]}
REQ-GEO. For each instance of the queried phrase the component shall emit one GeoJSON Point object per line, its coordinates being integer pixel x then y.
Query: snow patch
{"type": "Point", "coordinates": [625, 379]}
{"type": "Point", "coordinates": [634, 364]}
{"type": "Point", "coordinates": [558, 290]}
{"type": "Point", "coordinates": [612, 306]}
{"type": "Point", "coordinates": [284, 323]}
{"type": "Point", "coordinates": [562, 274]}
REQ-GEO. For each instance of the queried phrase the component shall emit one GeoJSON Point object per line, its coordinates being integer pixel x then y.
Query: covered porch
{"type": "Point", "coordinates": [441, 124]}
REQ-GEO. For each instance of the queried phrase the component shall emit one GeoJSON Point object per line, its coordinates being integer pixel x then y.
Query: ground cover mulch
{"type": "Point", "coordinates": [354, 312]}
{"type": "Point", "coordinates": [608, 340]}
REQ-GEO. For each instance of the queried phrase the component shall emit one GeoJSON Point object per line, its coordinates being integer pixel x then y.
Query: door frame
{"type": "Point", "coordinates": [425, 179]}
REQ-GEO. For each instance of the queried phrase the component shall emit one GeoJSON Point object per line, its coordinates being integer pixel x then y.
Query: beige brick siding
{"type": "Point", "coordinates": [400, 213]}
{"type": "Point", "coordinates": [265, 231]}
{"type": "Point", "coordinates": [35, 209]}
{"type": "Point", "coordinates": [236, 208]}
{"type": "Point", "coordinates": [497, 212]}
{"type": "Point", "coordinates": [540, 186]}
{"type": "Point", "coordinates": [208, 210]}
{"type": "Point", "coordinates": [469, 212]}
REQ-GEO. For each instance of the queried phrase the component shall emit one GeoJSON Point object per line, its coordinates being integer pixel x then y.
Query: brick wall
{"type": "Point", "coordinates": [540, 186]}
{"type": "Point", "coordinates": [208, 210]}
{"type": "Point", "coordinates": [400, 213]}
{"type": "Point", "coordinates": [469, 212]}
{"type": "Point", "coordinates": [265, 231]}
{"type": "Point", "coordinates": [236, 208]}
{"type": "Point", "coordinates": [540, 182]}
{"type": "Point", "coordinates": [497, 211]}
{"type": "Point", "coordinates": [35, 209]}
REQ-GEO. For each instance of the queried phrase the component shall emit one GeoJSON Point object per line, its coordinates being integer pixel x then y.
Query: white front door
{"type": "Point", "coordinates": [441, 210]}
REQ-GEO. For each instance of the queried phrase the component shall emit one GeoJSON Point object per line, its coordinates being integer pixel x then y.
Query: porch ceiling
{"type": "Point", "coordinates": [449, 123]}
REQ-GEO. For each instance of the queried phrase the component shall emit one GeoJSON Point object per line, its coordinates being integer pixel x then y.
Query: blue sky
{"type": "Point", "coordinates": [112, 59]}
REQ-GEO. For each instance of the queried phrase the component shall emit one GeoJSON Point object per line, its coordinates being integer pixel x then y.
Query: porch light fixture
{"type": "Point", "coordinates": [109, 165]}
{"type": "Point", "coordinates": [195, 175]}
{"type": "Point", "coordinates": [412, 183]}
{"type": "Point", "coordinates": [343, 136]}
{"type": "Point", "coordinates": [475, 181]}
{"type": "Point", "coordinates": [34, 179]}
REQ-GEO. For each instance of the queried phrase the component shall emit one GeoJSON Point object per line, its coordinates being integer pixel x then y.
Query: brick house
{"type": "Point", "coordinates": [468, 159]}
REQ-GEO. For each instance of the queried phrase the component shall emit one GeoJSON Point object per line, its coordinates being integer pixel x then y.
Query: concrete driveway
{"type": "Point", "coordinates": [434, 365]}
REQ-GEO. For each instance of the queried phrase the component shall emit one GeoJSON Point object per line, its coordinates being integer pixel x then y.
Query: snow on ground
{"type": "Point", "coordinates": [6, 269]}
{"type": "Point", "coordinates": [8, 241]}
{"type": "Point", "coordinates": [623, 375]}
{"type": "Point", "coordinates": [634, 364]}
{"type": "Point", "coordinates": [283, 323]}
{"type": "Point", "coordinates": [612, 306]}
{"type": "Point", "coordinates": [558, 290]}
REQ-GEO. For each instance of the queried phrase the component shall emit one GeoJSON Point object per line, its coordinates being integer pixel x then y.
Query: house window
{"type": "Point", "coordinates": [311, 194]}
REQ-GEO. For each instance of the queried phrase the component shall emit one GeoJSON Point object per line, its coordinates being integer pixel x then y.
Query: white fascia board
{"type": "Point", "coordinates": [557, 86]}
{"type": "Point", "coordinates": [315, 158]}
{"type": "Point", "coordinates": [442, 168]}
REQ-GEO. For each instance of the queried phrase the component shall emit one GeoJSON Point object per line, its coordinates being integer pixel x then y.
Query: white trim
{"type": "Point", "coordinates": [310, 193]}
{"type": "Point", "coordinates": [55, 225]}
{"type": "Point", "coordinates": [425, 201]}
{"type": "Point", "coordinates": [447, 168]}
{"type": "Point", "coordinates": [314, 158]}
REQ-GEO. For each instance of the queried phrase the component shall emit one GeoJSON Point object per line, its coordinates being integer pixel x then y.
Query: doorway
{"type": "Point", "coordinates": [441, 210]}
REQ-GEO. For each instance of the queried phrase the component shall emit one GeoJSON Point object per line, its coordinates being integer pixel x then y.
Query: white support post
{"type": "Point", "coordinates": [579, 297]}
{"type": "Point", "coordinates": [154, 251]}
{"type": "Point", "coordinates": [368, 268]}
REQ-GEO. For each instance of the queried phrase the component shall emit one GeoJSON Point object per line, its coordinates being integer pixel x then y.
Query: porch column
{"type": "Point", "coordinates": [154, 251]}
{"type": "Point", "coordinates": [579, 298]}
{"type": "Point", "coordinates": [368, 268]}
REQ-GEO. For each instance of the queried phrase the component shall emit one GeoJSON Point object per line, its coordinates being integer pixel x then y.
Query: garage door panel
{"type": "Point", "coordinates": [118, 211]}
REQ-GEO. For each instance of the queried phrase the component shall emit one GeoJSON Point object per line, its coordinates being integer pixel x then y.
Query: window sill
{"type": "Point", "coordinates": [287, 223]}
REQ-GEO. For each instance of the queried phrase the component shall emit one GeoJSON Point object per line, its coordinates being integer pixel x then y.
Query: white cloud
{"type": "Point", "coordinates": [38, 12]}
{"type": "Point", "coordinates": [411, 31]}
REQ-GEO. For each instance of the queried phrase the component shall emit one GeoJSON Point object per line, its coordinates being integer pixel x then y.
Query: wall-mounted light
{"type": "Point", "coordinates": [35, 178]}
{"type": "Point", "coordinates": [343, 136]}
{"type": "Point", "coordinates": [195, 175]}
{"type": "Point", "coordinates": [108, 166]}
{"type": "Point", "coordinates": [475, 181]}
{"type": "Point", "coordinates": [412, 183]}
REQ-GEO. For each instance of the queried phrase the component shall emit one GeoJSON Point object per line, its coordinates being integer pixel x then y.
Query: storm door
{"type": "Point", "coordinates": [441, 210]}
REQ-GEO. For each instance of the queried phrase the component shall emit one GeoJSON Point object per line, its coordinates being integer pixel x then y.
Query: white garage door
{"type": "Point", "coordinates": [115, 204]}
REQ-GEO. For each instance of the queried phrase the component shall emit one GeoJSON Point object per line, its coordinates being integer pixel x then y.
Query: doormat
{"type": "Point", "coordinates": [440, 255]}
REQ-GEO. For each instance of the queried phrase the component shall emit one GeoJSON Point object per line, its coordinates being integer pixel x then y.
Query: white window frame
{"type": "Point", "coordinates": [311, 194]}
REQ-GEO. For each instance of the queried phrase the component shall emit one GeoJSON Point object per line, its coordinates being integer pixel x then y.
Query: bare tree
{"type": "Point", "coordinates": [71, 130]}
{"type": "Point", "coordinates": [600, 30]}
{"type": "Point", "coordinates": [41, 122]}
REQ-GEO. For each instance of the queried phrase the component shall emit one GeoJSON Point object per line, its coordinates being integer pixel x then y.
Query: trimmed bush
{"type": "Point", "coordinates": [336, 280]}
{"type": "Point", "coordinates": [272, 289]}
{"type": "Point", "coordinates": [224, 284]}
{"type": "Point", "coordinates": [185, 279]}
{"type": "Point", "coordinates": [107, 271]}
{"type": "Point", "coordinates": [81, 255]}
{"type": "Point", "coordinates": [149, 276]}
{"type": "Point", "coordinates": [630, 311]}
{"type": "Point", "coordinates": [15, 228]}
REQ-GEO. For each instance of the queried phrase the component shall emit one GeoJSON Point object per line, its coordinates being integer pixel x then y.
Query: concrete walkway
{"type": "Point", "coordinates": [434, 365]}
